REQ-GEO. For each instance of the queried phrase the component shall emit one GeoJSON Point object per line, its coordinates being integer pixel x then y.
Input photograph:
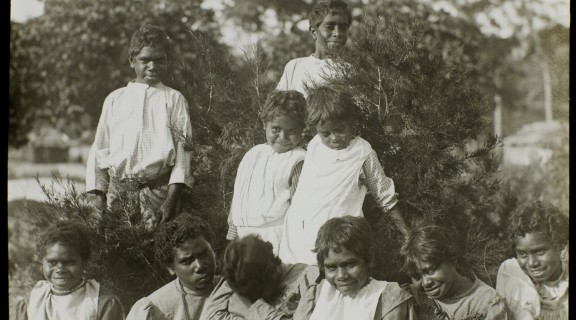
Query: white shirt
{"type": "Point", "coordinates": [306, 71]}
{"type": "Point", "coordinates": [328, 187]}
{"type": "Point", "coordinates": [140, 136]}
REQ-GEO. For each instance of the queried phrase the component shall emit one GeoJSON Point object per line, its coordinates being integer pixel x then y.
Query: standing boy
{"type": "Point", "coordinates": [140, 135]}
{"type": "Point", "coordinates": [329, 24]}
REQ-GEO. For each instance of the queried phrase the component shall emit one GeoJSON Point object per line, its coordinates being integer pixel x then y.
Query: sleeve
{"type": "Point", "coordinates": [261, 310]}
{"type": "Point", "coordinates": [497, 309]}
{"type": "Point", "coordinates": [181, 128]}
{"type": "Point", "coordinates": [18, 311]}
{"type": "Point", "coordinates": [521, 301]}
{"type": "Point", "coordinates": [232, 229]}
{"type": "Point", "coordinates": [141, 310]}
{"type": "Point", "coordinates": [110, 308]}
{"type": "Point", "coordinates": [216, 307]}
{"type": "Point", "coordinates": [404, 310]}
{"type": "Point", "coordinates": [283, 83]}
{"type": "Point", "coordinates": [307, 302]}
{"type": "Point", "coordinates": [378, 184]}
{"type": "Point", "coordinates": [295, 177]}
{"type": "Point", "coordinates": [96, 177]}
{"type": "Point", "coordinates": [395, 303]}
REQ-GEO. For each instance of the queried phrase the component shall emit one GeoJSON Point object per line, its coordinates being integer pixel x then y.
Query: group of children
{"type": "Point", "coordinates": [257, 284]}
{"type": "Point", "coordinates": [300, 247]}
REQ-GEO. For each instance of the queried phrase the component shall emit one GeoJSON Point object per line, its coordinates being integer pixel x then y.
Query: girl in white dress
{"type": "Point", "coordinates": [343, 249]}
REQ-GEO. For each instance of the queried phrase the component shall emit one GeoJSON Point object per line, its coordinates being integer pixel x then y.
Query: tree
{"type": "Point", "coordinates": [66, 61]}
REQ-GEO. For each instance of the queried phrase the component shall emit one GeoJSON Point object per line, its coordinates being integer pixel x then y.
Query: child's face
{"type": "Point", "coordinates": [63, 267]}
{"type": "Point", "coordinates": [331, 34]}
{"type": "Point", "coordinates": [436, 280]}
{"type": "Point", "coordinates": [150, 65]}
{"type": "Point", "coordinates": [346, 271]}
{"type": "Point", "coordinates": [194, 264]}
{"type": "Point", "coordinates": [539, 257]}
{"type": "Point", "coordinates": [335, 134]}
{"type": "Point", "coordinates": [283, 133]}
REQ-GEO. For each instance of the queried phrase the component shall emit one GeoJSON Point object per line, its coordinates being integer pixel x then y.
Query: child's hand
{"type": "Point", "coordinates": [150, 220]}
{"type": "Point", "coordinates": [167, 211]}
{"type": "Point", "coordinates": [99, 203]}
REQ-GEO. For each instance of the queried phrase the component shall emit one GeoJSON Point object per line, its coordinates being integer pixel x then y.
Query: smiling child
{"type": "Point", "coordinates": [535, 282]}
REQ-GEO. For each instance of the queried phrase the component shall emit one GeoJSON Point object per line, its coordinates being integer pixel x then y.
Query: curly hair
{"type": "Point", "coordinates": [330, 102]}
{"type": "Point", "coordinates": [149, 36]}
{"type": "Point", "coordinates": [289, 103]}
{"type": "Point", "coordinates": [323, 8]}
{"type": "Point", "coordinates": [352, 233]}
{"type": "Point", "coordinates": [172, 234]}
{"type": "Point", "coordinates": [538, 216]}
{"type": "Point", "coordinates": [251, 268]}
{"type": "Point", "coordinates": [67, 233]}
{"type": "Point", "coordinates": [431, 242]}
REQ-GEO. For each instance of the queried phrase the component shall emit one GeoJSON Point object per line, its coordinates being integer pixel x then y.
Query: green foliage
{"type": "Point", "coordinates": [68, 60]}
{"type": "Point", "coordinates": [420, 106]}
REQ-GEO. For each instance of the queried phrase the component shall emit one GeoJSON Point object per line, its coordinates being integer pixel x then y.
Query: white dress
{"type": "Point", "coordinates": [328, 188]}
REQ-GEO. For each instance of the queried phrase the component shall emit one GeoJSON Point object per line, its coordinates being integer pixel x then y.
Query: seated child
{"type": "Point", "coordinates": [339, 169]}
{"type": "Point", "coordinates": [256, 284]}
{"type": "Point", "coordinates": [535, 282]}
{"type": "Point", "coordinates": [140, 135]}
{"type": "Point", "coordinates": [268, 173]}
{"type": "Point", "coordinates": [343, 249]}
{"type": "Point", "coordinates": [66, 294]}
{"type": "Point", "coordinates": [183, 245]}
{"type": "Point", "coordinates": [440, 291]}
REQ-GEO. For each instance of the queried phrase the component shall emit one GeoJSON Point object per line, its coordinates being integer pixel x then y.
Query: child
{"type": "Point", "coordinates": [256, 284]}
{"type": "Point", "coordinates": [329, 24]}
{"type": "Point", "coordinates": [440, 291]}
{"type": "Point", "coordinates": [268, 173]}
{"type": "Point", "coordinates": [140, 135]}
{"type": "Point", "coordinates": [338, 170]}
{"type": "Point", "coordinates": [343, 249]}
{"type": "Point", "coordinates": [183, 245]}
{"type": "Point", "coordinates": [535, 282]}
{"type": "Point", "coordinates": [66, 293]}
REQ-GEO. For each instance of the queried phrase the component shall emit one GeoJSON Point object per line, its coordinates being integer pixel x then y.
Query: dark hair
{"type": "Point", "coordinates": [330, 102]}
{"type": "Point", "coordinates": [67, 233]}
{"type": "Point", "coordinates": [323, 8]}
{"type": "Point", "coordinates": [352, 233]}
{"type": "Point", "coordinates": [175, 232]}
{"type": "Point", "coordinates": [288, 103]}
{"type": "Point", "coordinates": [251, 268]}
{"type": "Point", "coordinates": [536, 216]}
{"type": "Point", "coordinates": [430, 242]}
{"type": "Point", "coordinates": [149, 36]}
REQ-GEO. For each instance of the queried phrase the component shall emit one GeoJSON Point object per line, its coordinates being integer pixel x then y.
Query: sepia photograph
{"type": "Point", "coordinates": [288, 159]}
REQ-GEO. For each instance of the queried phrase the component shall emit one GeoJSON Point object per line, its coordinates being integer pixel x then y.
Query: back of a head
{"type": "Point", "coordinates": [175, 232]}
{"type": "Point", "coordinates": [352, 233]}
{"type": "Point", "coordinates": [67, 233]}
{"type": "Point", "coordinates": [149, 36]}
{"type": "Point", "coordinates": [289, 103]}
{"type": "Point", "coordinates": [323, 8]}
{"type": "Point", "coordinates": [430, 242]}
{"type": "Point", "coordinates": [539, 216]}
{"type": "Point", "coordinates": [250, 266]}
{"type": "Point", "coordinates": [330, 102]}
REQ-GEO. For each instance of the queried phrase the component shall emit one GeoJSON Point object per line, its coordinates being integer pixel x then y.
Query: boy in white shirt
{"type": "Point", "coordinates": [329, 24]}
{"type": "Point", "coordinates": [141, 135]}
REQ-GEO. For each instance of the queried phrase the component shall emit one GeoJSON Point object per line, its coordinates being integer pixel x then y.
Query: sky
{"type": "Point", "coordinates": [22, 10]}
